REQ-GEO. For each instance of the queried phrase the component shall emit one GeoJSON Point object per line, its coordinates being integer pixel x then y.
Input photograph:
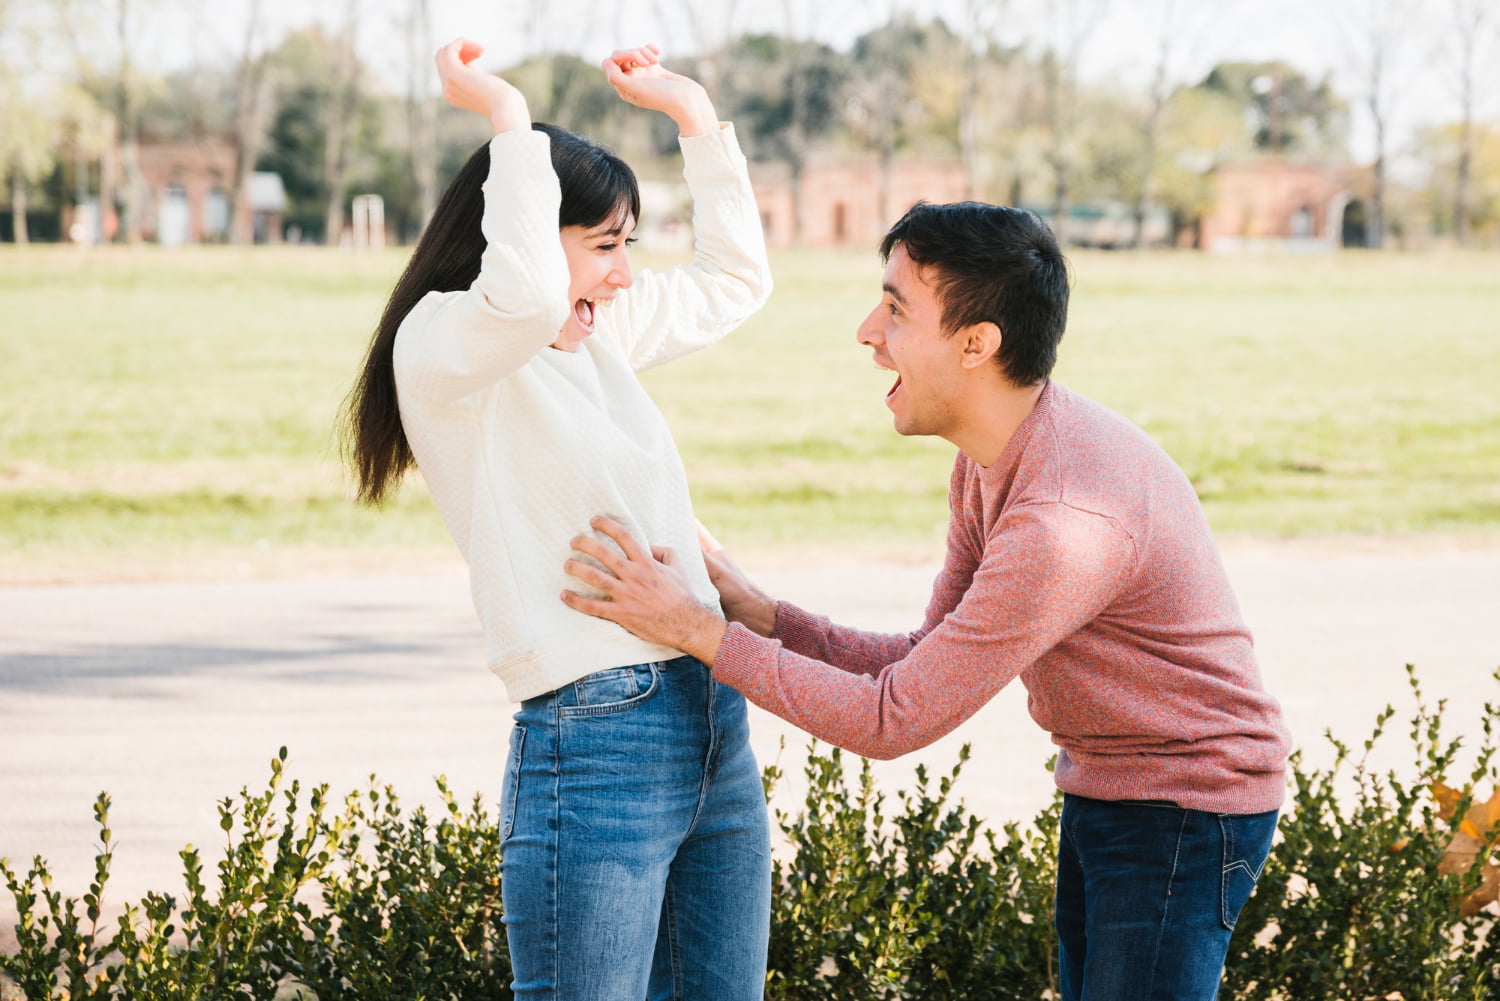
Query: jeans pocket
{"type": "Point", "coordinates": [1246, 847]}
{"type": "Point", "coordinates": [509, 791]}
{"type": "Point", "coordinates": [610, 691]}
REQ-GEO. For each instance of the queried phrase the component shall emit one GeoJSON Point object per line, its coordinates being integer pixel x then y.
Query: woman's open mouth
{"type": "Point", "coordinates": [583, 312]}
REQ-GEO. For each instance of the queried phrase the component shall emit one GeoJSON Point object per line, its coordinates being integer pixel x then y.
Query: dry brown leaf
{"type": "Point", "coordinates": [1468, 842]}
{"type": "Point", "coordinates": [1480, 818]}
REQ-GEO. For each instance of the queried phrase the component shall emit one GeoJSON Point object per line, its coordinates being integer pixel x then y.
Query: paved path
{"type": "Point", "coordinates": [172, 696]}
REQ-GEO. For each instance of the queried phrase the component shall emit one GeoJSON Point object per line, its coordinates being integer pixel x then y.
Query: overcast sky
{"type": "Point", "coordinates": [1310, 34]}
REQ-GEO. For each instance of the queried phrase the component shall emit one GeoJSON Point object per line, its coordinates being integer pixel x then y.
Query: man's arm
{"type": "Point", "coordinates": [1047, 571]}
{"type": "Point", "coordinates": [1042, 579]}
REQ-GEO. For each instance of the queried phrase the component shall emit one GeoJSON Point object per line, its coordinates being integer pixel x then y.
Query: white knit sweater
{"type": "Point", "coordinates": [521, 444]}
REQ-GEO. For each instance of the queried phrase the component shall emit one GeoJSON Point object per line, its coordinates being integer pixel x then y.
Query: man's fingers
{"type": "Point", "coordinates": [622, 538]}
{"type": "Point", "coordinates": [610, 556]}
{"type": "Point", "coordinates": [589, 606]}
{"type": "Point", "coordinates": [590, 575]}
{"type": "Point", "coordinates": [665, 555]}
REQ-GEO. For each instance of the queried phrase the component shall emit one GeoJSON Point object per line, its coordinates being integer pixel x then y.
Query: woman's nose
{"type": "Point", "coordinates": [620, 276]}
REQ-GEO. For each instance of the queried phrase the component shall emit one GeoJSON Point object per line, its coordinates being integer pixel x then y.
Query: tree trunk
{"type": "Point", "coordinates": [1375, 238]}
{"type": "Point", "coordinates": [421, 113]}
{"type": "Point", "coordinates": [968, 122]}
{"type": "Point", "coordinates": [797, 130]}
{"type": "Point", "coordinates": [22, 236]}
{"type": "Point", "coordinates": [1461, 188]}
{"type": "Point", "coordinates": [250, 91]}
{"type": "Point", "coordinates": [336, 130]}
{"type": "Point", "coordinates": [130, 150]}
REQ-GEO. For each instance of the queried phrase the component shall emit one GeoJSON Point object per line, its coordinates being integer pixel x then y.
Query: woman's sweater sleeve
{"type": "Point", "coordinates": [453, 345]}
{"type": "Point", "coordinates": [671, 313]}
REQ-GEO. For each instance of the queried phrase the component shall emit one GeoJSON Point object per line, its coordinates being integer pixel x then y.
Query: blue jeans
{"type": "Point", "coordinates": [1147, 895]}
{"type": "Point", "coordinates": [637, 855]}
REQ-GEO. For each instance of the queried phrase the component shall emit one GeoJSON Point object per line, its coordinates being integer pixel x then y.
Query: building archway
{"type": "Point", "coordinates": [1355, 227]}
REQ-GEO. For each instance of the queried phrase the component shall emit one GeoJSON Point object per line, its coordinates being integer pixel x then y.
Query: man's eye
{"type": "Point", "coordinates": [895, 311]}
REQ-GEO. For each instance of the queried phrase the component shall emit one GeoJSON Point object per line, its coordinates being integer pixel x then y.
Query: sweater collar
{"type": "Point", "coordinates": [1004, 468]}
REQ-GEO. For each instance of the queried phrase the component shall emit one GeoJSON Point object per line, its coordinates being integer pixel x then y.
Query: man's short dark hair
{"type": "Point", "coordinates": [996, 264]}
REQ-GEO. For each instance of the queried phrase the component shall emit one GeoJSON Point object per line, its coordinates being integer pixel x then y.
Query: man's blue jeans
{"type": "Point", "coordinates": [1147, 895]}
{"type": "Point", "coordinates": [637, 855]}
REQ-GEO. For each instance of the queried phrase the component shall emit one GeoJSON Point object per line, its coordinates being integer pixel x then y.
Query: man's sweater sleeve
{"type": "Point", "coordinates": [668, 314]}
{"type": "Point", "coordinates": [1047, 570]}
{"type": "Point", "coordinates": [455, 344]}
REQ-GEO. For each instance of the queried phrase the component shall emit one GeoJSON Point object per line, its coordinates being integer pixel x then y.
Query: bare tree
{"type": "Point", "coordinates": [982, 20]}
{"type": "Point", "coordinates": [1473, 26]}
{"type": "Point", "coordinates": [421, 112]}
{"type": "Point", "coordinates": [252, 94]}
{"type": "Point", "coordinates": [128, 114]}
{"type": "Point", "coordinates": [28, 119]}
{"type": "Point", "coordinates": [86, 27]}
{"type": "Point", "coordinates": [1377, 33]}
{"type": "Point", "coordinates": [338, 111]}
{"type": "Point", "coordinates": [710, 27]}
{"type": "Point", "coordinates": [1069, 24]}
{"type": "Point", "coordinates": [804, 22]}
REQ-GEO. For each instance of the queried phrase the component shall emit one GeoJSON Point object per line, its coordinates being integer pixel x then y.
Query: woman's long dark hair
{"type": "Point", "coordinates": [597, 186]}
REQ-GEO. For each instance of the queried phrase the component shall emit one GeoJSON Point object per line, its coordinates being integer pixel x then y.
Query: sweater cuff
{"type": "Point", "coordinates": [517, 152]}
{"type": "Point", "coordinates": [799, 631]}
{"type": "Point", "coordinates": [713, 154]}
{"type": "Point", "coordinates": [739, 662]}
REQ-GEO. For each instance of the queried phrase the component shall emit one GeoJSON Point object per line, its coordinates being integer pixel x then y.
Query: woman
{"type": "Point", "coordinates": [636, 848]}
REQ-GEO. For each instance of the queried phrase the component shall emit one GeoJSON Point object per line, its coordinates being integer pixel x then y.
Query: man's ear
{"type": "Point", "coordinates": [981, 342]}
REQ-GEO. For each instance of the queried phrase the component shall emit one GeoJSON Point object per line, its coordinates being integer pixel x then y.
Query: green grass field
{"type": "Point", "coordinates": [170, 409]}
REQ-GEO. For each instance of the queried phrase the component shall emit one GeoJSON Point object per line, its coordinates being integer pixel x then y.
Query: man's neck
{"type": "Point", "coordinates": [992, 418]}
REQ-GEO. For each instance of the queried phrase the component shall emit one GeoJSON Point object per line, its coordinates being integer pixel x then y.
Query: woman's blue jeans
{"type": "Point", "coordinates": [637, 855]}
{"type": "Point", "coordinates": [1147, 895]}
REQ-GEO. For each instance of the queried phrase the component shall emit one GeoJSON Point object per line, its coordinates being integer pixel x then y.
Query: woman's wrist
{"type": "Point", "coordinates": [696, 118]}
{"type": "Point", "coordinates": [510, 116]}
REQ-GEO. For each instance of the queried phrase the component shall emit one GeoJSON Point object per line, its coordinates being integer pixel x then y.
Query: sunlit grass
{"type": "Point", "coordinates": [182, 401]}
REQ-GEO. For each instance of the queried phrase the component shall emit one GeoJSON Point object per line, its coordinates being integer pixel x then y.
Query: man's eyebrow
{"type": "Point", "coordinates": [894, 293]}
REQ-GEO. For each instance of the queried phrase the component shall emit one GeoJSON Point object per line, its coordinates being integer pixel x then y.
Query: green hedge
{"type": "Point", "coordinates": [876, 897]}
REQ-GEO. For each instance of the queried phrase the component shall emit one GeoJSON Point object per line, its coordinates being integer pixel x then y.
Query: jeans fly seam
{"type": "Point", "coordinates": [710, 757]}
{"type": "Point", "coordinates": [557, 835]}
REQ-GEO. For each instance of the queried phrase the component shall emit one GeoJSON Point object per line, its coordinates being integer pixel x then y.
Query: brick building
{"type": "Point", "coordinates": [1273, 203]}
{"type": "Point", "coordinates": [841, 199]}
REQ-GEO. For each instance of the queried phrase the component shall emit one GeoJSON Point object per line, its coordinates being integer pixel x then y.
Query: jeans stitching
{"type": "Point", "coordinates": [1166, 904]}
{"type": "Point", "coordinates": [610, 708]}
{"type": "Point", "coordinates": [508, 822]}
{"type": "Point", "coordinates": [1226, 833]}
{"type": "Point", "coordinates": [556, 834]}
{"type": "Point", "coordinates": [674, 954]}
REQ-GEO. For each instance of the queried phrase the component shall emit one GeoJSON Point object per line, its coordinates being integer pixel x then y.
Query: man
{"type": "Point", "coordinates": [1078, 560]}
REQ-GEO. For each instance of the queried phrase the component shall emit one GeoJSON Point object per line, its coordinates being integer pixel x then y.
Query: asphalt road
{"type": "Point", "coordinates": [174, 695]}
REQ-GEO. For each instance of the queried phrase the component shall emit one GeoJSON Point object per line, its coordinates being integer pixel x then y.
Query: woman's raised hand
{"type": "Point", "coordinates": [472, 89]}
{"type": "Point", "coordinates": [639, 77]}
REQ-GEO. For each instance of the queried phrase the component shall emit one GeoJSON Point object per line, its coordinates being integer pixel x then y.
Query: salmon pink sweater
{"type": "Point", "coordinates": [1081, 563]}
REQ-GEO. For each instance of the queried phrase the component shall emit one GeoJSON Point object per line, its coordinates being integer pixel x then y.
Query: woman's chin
{"type": "Point", "coordinates": [570, 336]}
